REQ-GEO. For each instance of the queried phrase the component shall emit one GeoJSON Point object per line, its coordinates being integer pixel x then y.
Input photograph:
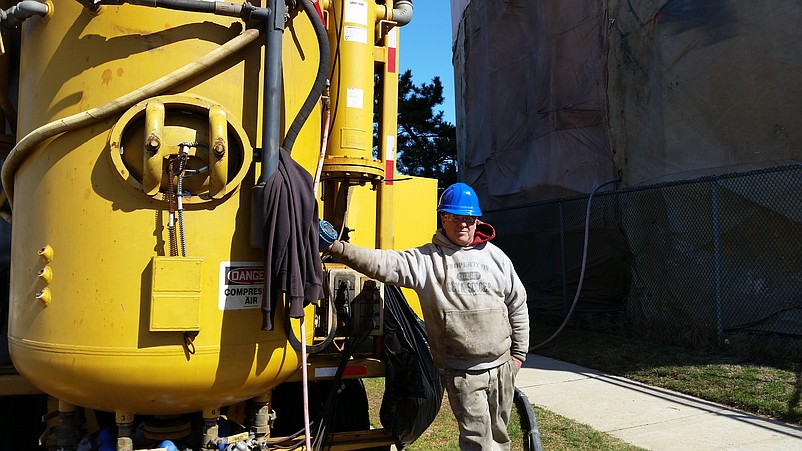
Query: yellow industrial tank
{"type": "Point", "coordinates": [132, 292]}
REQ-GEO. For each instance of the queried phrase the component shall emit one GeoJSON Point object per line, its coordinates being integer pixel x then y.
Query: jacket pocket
{"type": "Point", "coordinates": [476, 334]}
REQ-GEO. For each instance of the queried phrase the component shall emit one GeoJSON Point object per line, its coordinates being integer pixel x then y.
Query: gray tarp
{"type": "Point", "coordinates": [531, 102]}
{"type": "Point", "coordinates": [704, 87]}
{"type": "Point", "coordinates": [694, 88]}
{"type": "Point", "coordinates": [555, 97]}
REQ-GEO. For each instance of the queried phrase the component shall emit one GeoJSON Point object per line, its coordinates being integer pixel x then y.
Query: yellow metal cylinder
{"type": "Point", "coordinates": [120, 330]}
{"type": "Point", "coordinates": [353, 34]}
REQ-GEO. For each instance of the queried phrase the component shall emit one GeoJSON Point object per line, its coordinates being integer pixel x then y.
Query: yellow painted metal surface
{"type": "Point", "coordinates": [352, 31]}
{"type": "Point", "coordinates": [175, 294]}
{"type": "Point", "coordinates": [415, 220]}
{"type": "Point", "coordinates": [104, 313]}
{"type": "Point", "coordinates": [100, 341]}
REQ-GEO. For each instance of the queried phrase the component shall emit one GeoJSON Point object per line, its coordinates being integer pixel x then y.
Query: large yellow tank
{"type": "Point", "coordinates": [101, 315]}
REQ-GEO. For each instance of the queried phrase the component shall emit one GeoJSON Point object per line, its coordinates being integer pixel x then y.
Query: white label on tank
{"type": "Point", "coordinates": [356, 11]}
{"type": "Point", "coordinates": [389, 148]}
{"type": "Point", "coordinates": [355, 98]}
{"type": "Point", "coordinates": [355, 34]}
{"type": "Point", "coordinates": [241, 285]}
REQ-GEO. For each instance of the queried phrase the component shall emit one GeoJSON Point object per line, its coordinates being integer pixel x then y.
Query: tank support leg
{"type": "Point", "coordinates": [67, 429]}
{"type": "Point", "coordinates": [125, 430]}
{"type": "Point", "coordinates": [259, 418]}
{"type": "Point", "coordinates": [210, 428]}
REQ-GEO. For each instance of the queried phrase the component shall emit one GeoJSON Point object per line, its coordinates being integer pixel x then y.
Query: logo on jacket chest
{"type": "Point", "coordinates": [471, 275]}
{"type": "Point", "coordinates": [468, 277]}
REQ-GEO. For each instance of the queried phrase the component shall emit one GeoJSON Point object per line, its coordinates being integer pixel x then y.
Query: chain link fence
{"type": "Point", "coordinates": [693, 262]}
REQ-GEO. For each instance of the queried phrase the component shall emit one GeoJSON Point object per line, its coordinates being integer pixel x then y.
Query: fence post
{"type": "Point", "coordinates": [717, 257]}
{"type": "Point", "coordinates": [566, 307]}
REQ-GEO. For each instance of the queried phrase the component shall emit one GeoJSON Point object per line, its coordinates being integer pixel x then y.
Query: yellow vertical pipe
{"type": "Point", "coordinates": [353, 34]}
{"type": "Point", "coordinates": [388, 133]}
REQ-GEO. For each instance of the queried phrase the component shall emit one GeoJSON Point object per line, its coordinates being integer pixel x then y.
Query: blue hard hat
{"type": "Point", "coordinates": [459, 199]}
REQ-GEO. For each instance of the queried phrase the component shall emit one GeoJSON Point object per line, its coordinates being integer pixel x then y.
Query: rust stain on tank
{"type": "Point", "coordinates": [106, 77]}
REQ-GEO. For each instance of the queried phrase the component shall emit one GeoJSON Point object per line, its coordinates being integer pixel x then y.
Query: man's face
{"type": "Point", "coordinates": [459, 229]}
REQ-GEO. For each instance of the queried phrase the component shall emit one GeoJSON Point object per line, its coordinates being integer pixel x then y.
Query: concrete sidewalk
{"type": "Point", "coordinates": [648, 417]}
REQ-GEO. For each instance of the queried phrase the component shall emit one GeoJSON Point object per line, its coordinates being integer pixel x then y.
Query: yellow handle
{"type": "Point", "coordinates": [154, 154]}
{"type": "Point", "coordinates": [218, 151]}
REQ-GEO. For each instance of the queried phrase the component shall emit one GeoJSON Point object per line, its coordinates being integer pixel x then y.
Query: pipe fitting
{"type": "Point", "coordinates": [44, 296]}
{"type": "Point", "coordinates": [46, 252]}
{"type": "Point", "coordinates": [402, 12]}
{"type": "Point", "coordinates": [45, 274]}
{"type": "Point", "coordinates": [14, 16]}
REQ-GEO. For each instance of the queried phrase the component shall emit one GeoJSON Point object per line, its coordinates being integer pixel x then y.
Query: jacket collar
{"type": "Point", "coordinates": [484, 233]}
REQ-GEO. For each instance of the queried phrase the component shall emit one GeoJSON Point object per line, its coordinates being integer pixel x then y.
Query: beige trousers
{"type": "Point", "coordinates": [481, 401]}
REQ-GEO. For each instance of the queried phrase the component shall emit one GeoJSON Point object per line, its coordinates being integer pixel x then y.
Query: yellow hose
{"type": "Point", "coordinates": [34, 138]}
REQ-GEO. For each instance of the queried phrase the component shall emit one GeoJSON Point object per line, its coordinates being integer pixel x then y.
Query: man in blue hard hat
{"type": "Point", "coordinates": [475, 311]}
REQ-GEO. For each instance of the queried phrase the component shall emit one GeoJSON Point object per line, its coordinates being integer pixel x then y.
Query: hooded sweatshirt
{"type": "Point", "coordinates": [474, 305]}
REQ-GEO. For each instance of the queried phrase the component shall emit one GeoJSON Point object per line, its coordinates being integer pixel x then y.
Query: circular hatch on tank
{"type": "Point", "coordinates": [161, 137]}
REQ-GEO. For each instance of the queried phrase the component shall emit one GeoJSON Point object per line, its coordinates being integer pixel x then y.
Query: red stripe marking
{"type": "Point", "coordinates": [391, 59]}
{"type": "Point", "coordinates": [389, 171]}
{"type": "Point", "coordinates": [320, 12]}
{"type": "Point", "coordinates": [355, 371]}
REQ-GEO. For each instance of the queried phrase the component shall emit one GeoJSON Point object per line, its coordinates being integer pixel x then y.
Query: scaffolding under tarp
{"type": "Point", "coordinates": [554, 98]}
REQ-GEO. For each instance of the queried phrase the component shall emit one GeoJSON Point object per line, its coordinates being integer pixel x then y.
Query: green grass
{"type": "Point", "coordinates": [766, 385]}
{"type": "Point", "coordinates": [556, 432]}
{"type": "Point", "coordinates": [755, 380]}
{"type": "Point", "coordinates": [769, 387]}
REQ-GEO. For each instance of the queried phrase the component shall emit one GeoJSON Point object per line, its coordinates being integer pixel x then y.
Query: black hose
{"type": "Point", "coordinates": [581, 272]}
{"type": "Point", "coordinates": [528, 421]}
{"type": "Point", "coordinates": [320, 78]}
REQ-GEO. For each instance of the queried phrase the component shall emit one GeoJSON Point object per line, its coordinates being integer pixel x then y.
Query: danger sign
{"type": "Point", "coordinates": [241, 285]}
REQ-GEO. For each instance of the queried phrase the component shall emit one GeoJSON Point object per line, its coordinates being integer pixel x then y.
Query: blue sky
{"type": "Point", "coordinates": [425, 49]}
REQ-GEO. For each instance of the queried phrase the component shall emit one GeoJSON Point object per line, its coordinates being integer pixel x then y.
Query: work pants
{"type": "Point", "coordinates": [481, 401]}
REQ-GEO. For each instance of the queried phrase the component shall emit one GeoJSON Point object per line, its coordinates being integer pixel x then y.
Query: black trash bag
{"type": "Point", "coordinates": [413, 392]}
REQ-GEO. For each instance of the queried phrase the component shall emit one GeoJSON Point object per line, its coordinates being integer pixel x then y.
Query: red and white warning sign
{"type": "Point", "coordinates": [241, 285]}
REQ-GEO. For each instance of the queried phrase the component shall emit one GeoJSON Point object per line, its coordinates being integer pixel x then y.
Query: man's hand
{"type": "Point", "coordinates": [517, 364]}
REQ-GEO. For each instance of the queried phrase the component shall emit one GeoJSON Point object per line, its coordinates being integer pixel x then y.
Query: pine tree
{"type": "Point", "coordinates": [427, 144]}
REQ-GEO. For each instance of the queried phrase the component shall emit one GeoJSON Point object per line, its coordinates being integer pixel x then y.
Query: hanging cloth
{"type": "Point", "coordinates": [291, 256]}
